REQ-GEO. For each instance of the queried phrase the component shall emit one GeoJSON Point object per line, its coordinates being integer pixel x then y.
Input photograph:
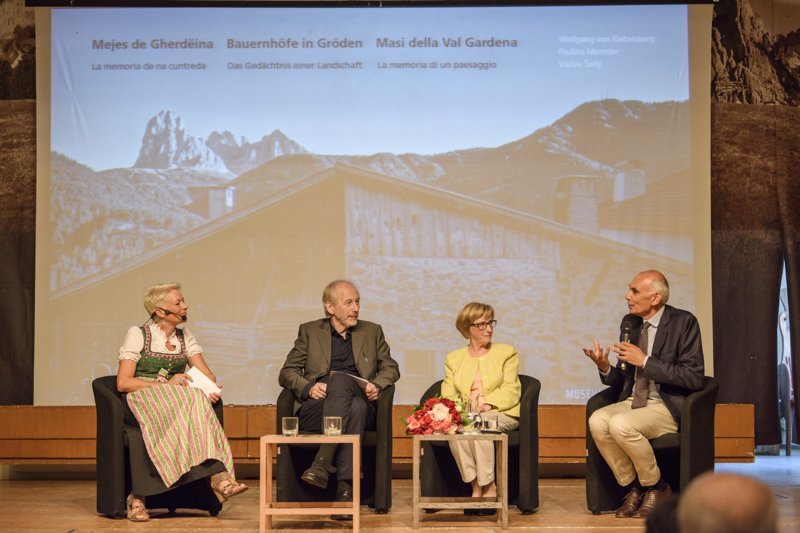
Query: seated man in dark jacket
{"type": "Point", "coordinates": [660, 363]}
{"type": "Point", "coordinates": [318, 371]}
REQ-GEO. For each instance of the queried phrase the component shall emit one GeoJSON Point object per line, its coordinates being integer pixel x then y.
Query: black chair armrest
{"type": "Point", "coordinates": [433, 390]}
{"type": "Point", "coordinates": [697, 431]}
{"type": "Point", "coordinates": [284, 408]}
{"type": "Point", "coordinates": [383, 414]}
{"type": "Point", "coordinates": [529, 445]}
{"type": "Point", "coordinates": [529, 412]}
{"type": "Point", "coordinates": [219, 410]}
{"type": "Point", "coordinates": [383, 450]}
{"type": "Point", "coordinates": [110, 447]}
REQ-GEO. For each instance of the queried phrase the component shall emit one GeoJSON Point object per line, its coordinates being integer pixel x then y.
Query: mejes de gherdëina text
{"type": "Point", "coordinates": [154, 44]}
{"type": "Point", "coordinates": [112, 45]}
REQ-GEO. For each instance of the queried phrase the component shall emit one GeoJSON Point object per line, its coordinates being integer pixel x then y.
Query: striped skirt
{"type": "Point", "coordinates": [180, 429]}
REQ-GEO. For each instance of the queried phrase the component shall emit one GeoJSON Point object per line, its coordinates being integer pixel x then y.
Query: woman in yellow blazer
{"type": "Point", "coordinates": [483, 376]}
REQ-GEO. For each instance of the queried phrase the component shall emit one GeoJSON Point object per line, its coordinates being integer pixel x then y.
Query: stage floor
{"type": "Point", "coordinates": [44, 505]}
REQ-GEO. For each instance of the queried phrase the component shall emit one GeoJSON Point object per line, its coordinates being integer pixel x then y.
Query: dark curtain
{"type": "Point", "coordinates": [17, 249]}
{"type": "Point", "coordinates": [755, 203]}
{"type": "Point", "coordinates": [17, 201]}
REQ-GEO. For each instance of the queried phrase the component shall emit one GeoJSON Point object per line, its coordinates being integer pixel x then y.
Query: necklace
{"type": "Point", "coordinates": [167, 336]}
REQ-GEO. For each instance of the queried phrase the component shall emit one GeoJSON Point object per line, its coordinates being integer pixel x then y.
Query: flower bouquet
{"type": "Point", "coordinates": [435, 416]}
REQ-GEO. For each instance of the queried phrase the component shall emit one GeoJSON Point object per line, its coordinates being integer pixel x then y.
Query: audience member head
{"type": "Point", "coordinates": [727, 503]}
{"type": "Point", "coordinates": [470, 313]}
{"type": "Point", "coordinates": [664, 518]}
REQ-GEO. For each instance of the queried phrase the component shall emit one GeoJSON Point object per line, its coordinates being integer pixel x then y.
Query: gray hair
{"type": "Point", "coordinates": [659, 284]}
{"type": "Point", "coordinates": [329, 293]}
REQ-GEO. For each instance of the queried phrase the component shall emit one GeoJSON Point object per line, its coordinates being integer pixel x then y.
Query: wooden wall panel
{"type": "Point", "coordinates": [46, 449]}
{"type": "Point", "coordinates": [562, 420]}
{"type": "Point", "coordinates": [29, 422]}
{"type": "Point", "coordinates": [729, 448]}
{"type": "Point", "coordinates": [65, 435]}
{"type": "Point", "coordinates": [734, 420]}
{"type": "Point", "coordinates": [261, 420]}
{"type": "Point", "coordinates": [562, 447]}
{"type": "Point", "coordinates": [236, 421]}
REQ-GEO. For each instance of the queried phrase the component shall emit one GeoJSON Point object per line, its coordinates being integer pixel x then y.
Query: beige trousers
{"type": "Point", "coordinates": [475, 458]}
{"type": "Point", "coordinates": [622, 435]}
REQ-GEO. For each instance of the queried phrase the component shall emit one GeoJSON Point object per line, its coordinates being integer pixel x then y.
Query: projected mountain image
{"type": "Point", "coordinates": [618, 151]}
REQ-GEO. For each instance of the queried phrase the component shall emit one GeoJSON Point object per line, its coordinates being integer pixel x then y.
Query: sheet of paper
{"type": "Point", "coordinates": [201, 381]}
{"type": "Point", "coordinates": [361, 382]}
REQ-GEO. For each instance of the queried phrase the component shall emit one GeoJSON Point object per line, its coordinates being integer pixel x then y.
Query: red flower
{"type": "Point", "coordinates": [436, 415]}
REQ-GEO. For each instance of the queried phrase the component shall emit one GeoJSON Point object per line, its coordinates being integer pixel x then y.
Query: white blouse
{"type": "Point", "coordinates": [131, 348]}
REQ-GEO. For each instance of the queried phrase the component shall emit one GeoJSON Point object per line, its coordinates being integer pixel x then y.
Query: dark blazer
{"type": "Point", "coordinates": [675, 364]}
{"type": "Point", "coordinates": [310, 358]}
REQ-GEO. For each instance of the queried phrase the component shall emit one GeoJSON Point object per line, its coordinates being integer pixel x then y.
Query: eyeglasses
{"type": "Point", "coordinates": [482, 325]}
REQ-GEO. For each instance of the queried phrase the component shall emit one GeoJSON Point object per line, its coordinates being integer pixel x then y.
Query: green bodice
{"type": "Point", "coordinates": [151, 362]}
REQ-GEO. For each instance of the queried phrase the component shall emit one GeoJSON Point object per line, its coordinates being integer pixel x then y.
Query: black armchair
{"type": "Point", "coordinates": [681, 456]}
{"type": "Point", "coordinates": [123, 463]}
{"type": "Point", "coordinates": [376, 459]}
{"type": "Point", "coordinates": [440, 475]}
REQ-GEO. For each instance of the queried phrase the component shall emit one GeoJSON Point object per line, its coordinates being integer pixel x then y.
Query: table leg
{"type": "Point", "coordinates": [503, 445]}
{"type": "Point", "coordinates": [262, 487]}
{"type": "Point", "coordinates": [356, 485]}
{"type": "Point", "coordinates": [415, 490]}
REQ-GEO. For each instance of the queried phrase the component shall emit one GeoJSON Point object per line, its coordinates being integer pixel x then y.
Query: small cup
{"type": "Point", "coordinates": [475, 424]}
{"type": "Point", "coordinates": [289, 426]}
{"type": "Point", "coordinates": [489, 425]}
{"type": "Point", "coordinates": [332, 426]}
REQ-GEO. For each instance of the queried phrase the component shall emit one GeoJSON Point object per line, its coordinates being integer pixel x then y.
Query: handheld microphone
{"type": "Point", "coordinates": [626, 337]}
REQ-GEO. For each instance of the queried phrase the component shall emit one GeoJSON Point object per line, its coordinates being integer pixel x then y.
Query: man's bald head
{"type": "Point", "coordinates": [727, 503]}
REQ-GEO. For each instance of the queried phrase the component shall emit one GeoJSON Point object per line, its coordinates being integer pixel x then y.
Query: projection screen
{"type": "Point", "coordinates": [534, 158]}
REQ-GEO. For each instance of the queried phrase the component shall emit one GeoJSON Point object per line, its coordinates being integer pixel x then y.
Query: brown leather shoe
{"type": "Point", "coordinates": [651, 499]}
{"type": "Point", "coordinates": [630, 504]}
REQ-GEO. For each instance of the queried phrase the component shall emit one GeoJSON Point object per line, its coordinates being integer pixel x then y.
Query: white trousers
{"type": "Point", "coordinates": [475, 458]}
{"type": "Point", "coordinates": [622, 435]}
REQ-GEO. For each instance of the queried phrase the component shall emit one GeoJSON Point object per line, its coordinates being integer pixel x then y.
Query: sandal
{"type": "Point", "coordinates": [136, 509]}
{"type": "Point", "coordinates": [224, 486]}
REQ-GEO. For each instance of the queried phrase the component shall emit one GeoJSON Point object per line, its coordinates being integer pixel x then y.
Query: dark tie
{"type": "Point", "coordinates": [642, 384]}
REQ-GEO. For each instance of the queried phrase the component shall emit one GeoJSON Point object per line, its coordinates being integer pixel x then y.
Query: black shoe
{"type": "Point", "coordinates": [479, 512]}
{"type": "Point", "coordinates": [316, 475]}
{"type": "Point", "coordinates": [343, 495]}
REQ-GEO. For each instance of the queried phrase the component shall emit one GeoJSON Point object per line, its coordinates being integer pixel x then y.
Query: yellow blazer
{"type": "Point", "coordinates": [499, 369]}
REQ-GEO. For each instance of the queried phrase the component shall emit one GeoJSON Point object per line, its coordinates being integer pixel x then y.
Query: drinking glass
{"type": "Point", "coordinates": [474, 416]}
{"type": "Point", "coordinates": [332, 426]}
{"type": "Point", "coordinates": [489, 425]}
{"type": "Point", "coordinates": [289, 426]}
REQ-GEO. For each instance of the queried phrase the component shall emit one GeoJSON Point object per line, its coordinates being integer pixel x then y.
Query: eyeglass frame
{"type": "Point", "coordinates": [482, 325]}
